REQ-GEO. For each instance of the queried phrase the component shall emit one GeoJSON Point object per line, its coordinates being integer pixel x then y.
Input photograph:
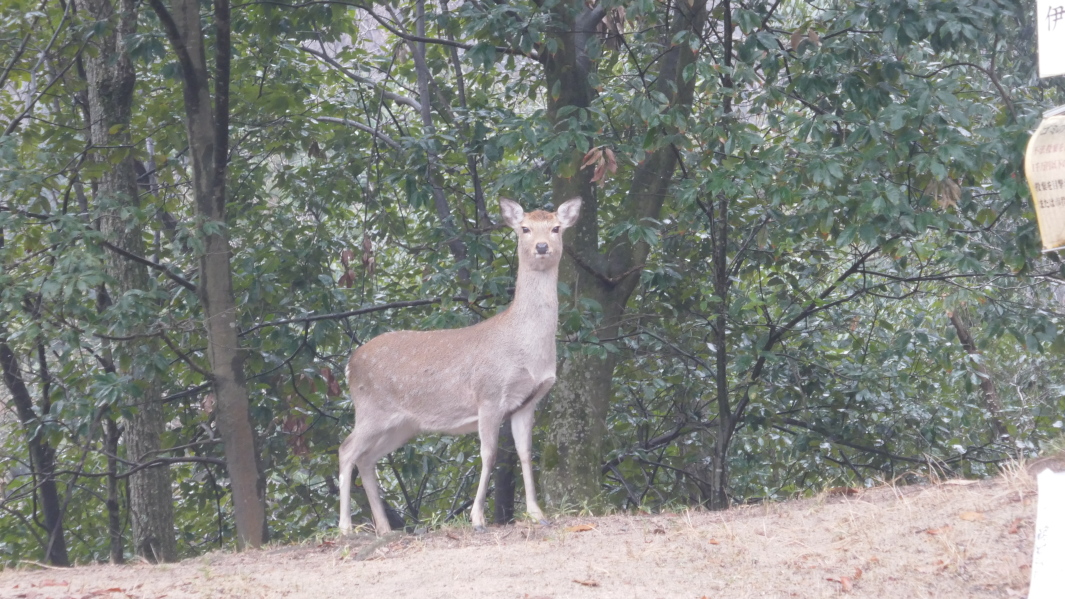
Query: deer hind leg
{"type": "Point", "coordinates": [521, 424]}
{"type": "Point", "coordinates": [363, 448]}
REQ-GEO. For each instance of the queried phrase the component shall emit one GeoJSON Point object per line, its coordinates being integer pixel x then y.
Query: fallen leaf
{"type": "Point", "coordinates": [587, 583]}
{"type": "Point", "coordinates": [54, 583]}
{"type": "Point", "coordinates": [960, 482]}
{"type": "Point", "coordinates": [937, 531]}
{"type": "Point", "coordinates": [971, 516]}
{"type": "Point", "coordinates": [658, 531]}
{"type": "Point", "coordinates": [857, 574]}
{"type": "Point", "coordinates": [1015, 526]}
{"type": "Point", "coordinates": [714, 542]}
{"type": "Point", "coordinates": [845, 491]}
{"type": "Point", "coordinates": [845, 583]}
{"type": "Point", "coordinates": [580, 528]}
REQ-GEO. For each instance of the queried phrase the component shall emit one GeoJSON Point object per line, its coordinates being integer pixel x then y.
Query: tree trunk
{"type": "Point", "coordinates": [114, 508]}
{"type": "Point", "coordinates": [505, 481]}
{"type": "Point", "coordinates": [718, 499]}
{"type": "Point", "coordinates": [579, 403]}
{"type": "Point", "coordinates": [42, 456]}
{"type": "Point", "coordinates": [111, 79]}
{"type": "Point", "coordinates": [207, 125]}
{"type": "Point", "coordinates": [987, 384]}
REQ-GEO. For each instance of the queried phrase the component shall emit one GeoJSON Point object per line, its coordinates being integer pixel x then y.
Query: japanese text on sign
{"type": "Point", "coordinates": [1044, 165]}
{"type": "Point", "coordinates": [1050, 28]}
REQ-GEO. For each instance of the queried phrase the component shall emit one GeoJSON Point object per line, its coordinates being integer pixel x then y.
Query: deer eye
{"type": "Point", "coordinates": [525, 230]}
{"type": "Point", "coordinates": [555, 230]}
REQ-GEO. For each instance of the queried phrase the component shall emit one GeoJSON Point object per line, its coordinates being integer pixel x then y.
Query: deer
{"type": "Point", "coordinates": [457, 381]}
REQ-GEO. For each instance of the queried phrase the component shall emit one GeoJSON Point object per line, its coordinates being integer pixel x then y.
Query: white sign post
{"type": "Point", "coordinates": [1048, 578]}
{"type": "Point", "coordinates": [1050, 31]}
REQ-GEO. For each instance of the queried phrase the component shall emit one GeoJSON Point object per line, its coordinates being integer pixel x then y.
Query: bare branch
{"type": "Point", "coordinates": [388, 141]}
{"type": "Point", "coordinates": [397, 98]}
{"type": "Point", "coordinates": [337, 315]}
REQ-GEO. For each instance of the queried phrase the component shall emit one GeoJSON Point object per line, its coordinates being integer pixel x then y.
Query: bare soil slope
{"type": "Point", "coordinates": [960, 539]}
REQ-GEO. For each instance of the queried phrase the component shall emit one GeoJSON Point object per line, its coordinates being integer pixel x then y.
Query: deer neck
{"type": "Point", "coordinates": [536, 299]}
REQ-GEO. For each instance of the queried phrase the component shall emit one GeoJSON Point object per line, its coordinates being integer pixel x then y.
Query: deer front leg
{"type": "Point", "coordinates": [488, 429]}
{"type": "Point", "coordinates": [521, 424]}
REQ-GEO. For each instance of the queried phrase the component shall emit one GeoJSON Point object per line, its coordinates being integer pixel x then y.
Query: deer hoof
{"type": "Point", "coordinates": [480, 528]}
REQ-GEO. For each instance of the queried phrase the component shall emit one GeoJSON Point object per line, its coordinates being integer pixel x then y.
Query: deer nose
{"type": "Point", "coordinates": [541, 248]}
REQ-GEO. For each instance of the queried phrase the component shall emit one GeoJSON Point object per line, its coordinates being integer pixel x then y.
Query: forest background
{"type": "Point", "coordinates": [806, 258]}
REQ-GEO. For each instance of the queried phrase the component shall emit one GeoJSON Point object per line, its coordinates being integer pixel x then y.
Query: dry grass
{"type": "Point", "coordinates": [964, 539]}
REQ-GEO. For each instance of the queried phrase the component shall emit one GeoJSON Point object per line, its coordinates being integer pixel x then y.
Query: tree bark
{"type": "Point", "coordinates": [577, 410]}
{"type": "Point", "coordinates": [42, 455]}
{"type": "Point", "coordinates": [114, 508]}
{"type": "Point", "coordinates": [207, 126]}
{"type": "Point", "coordinates": [111, 79]}
{"type": "Point", "coordinates": [726, 420]}
{"type": "Point", "coordinates": [987, 384]}
{"type": "Point", "coordinates": [443, 207]}
{"type": "Point", "coordinates": [505, 484]}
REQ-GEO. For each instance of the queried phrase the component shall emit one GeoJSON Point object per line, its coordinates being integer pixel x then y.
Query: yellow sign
{"type": "Point", "coordinates": [1044, 165]}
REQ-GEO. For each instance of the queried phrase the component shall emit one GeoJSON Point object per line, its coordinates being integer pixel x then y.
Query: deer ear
{"type": "Point", "coordinates": [568, 212]}
{"type": "Point", "coordinates": [511, 212]}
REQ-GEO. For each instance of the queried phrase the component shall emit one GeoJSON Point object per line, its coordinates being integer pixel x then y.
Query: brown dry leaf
{"type": "Point", "coordinates": [207, 405]}
{"type": "Point", "coordinates": [844, 491]}
{"type": "Point", "coordinates": [946, 193]}
{"type": "Point", "coordinates": [592, 156]}
{"type": "Point", "coordinates": [714, 542]}
{"type": "Point", "coordinates": [1015, 526]}
{"type": "Point", "coordinates": [587, 583]}
{"type": "Point", "coordinates": [937, 531]}
{"type": "Point", "coordinates": [368, 260]}
{"type": "Point", "coordinates": [332, 386]}
{"type": "Point", "coordinates": [658, 531]}
{"type": "Point", "coordinates": [814, 38]}
{"type": "Point", "coordinates": [971, 516]}
{"type": "Point", "coordinates": [960, 482]}
{"type": "Point", "coordinates": [844, 582]}
{"type": "Point", "coordinates": [857, 574]}
{"type": "Point", "coordinates": [611, 160]}
{"type": "Point", "coordinates": [346, 257]}
{"type": "Point", "coordinates": [580, 528]}
{"type": "Point", "coordinates": [796, 39]}
{"type": "Point", "coordinates": [600, 171]}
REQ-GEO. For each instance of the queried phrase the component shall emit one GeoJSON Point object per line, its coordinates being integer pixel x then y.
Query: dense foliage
{"type": "Point", "coordinates": [843, 284]}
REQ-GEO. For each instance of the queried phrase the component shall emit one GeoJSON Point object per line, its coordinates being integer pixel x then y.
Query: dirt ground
{"type": "Point", "coordinates": [962, 539]}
